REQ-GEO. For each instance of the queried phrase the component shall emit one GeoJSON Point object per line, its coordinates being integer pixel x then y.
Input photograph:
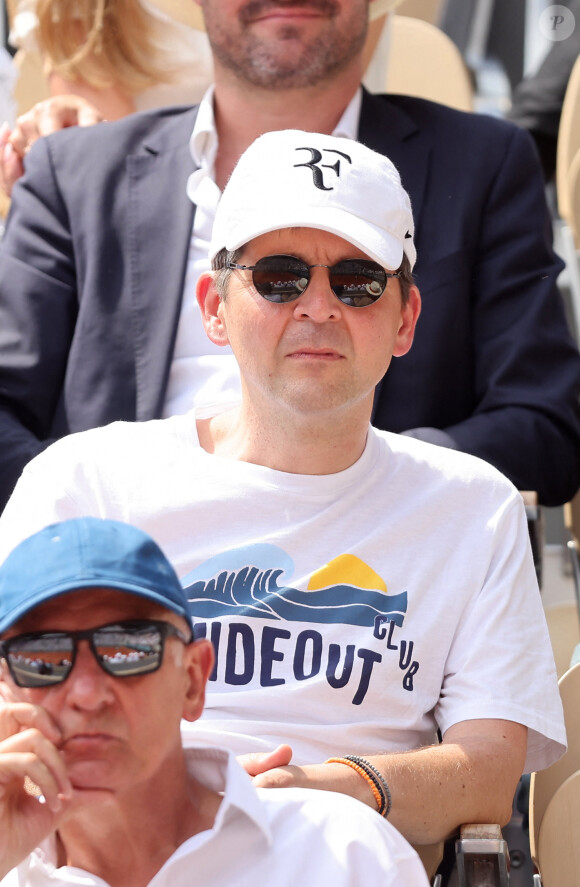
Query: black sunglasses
{"type": "Point", "coordinates": [125, 649]}
{"type": "Point", "coordinates": [356, 282]}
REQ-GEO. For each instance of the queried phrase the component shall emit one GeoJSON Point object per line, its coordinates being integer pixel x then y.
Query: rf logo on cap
{"type": "Point", "coordinates": [315, 158]}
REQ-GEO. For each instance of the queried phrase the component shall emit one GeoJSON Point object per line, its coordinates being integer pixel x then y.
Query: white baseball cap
{"type": "Point", "coordinates": [294, 179]}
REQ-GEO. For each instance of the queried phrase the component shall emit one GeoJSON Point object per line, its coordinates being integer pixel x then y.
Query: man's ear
{"type": "Point", "coordinates": [209, 304]}
{"type": "Point", "coordinates": [410, 312]}
{"type": "Point", "coordinates": [199, 665]}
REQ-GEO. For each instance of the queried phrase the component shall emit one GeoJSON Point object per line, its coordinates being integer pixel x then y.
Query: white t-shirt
{"type": "Point", "coordinates": [271, 837]}
{"type": "Point", "coordinates": [356, 611]}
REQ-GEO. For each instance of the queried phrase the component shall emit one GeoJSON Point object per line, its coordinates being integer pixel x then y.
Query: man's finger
{"type": "Point", "coordinates": [260, 762]}
{"type": "Point", "coordinates": [30, 755]}
{"type": "Point", "coordinates": [18, 716]}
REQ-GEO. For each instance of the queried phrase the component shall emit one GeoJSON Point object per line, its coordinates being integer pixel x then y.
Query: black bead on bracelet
{"type": "Point", "coordinates": [378, 780]}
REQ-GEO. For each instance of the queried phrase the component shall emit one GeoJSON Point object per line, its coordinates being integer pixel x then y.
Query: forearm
{"type": "Point", "coordinates": [470, 777]}
{"type": "Point", "coordinates": [436, 789]}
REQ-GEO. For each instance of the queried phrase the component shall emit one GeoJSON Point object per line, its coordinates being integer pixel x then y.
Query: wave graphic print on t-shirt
{"type": "Point", "coordinates": [338, 627]}
{"type": "Point", "coordinates": [254, 581]}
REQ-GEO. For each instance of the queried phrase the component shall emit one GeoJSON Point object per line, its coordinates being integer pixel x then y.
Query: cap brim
{"type": "Point", "coordinates": [380, 246]}
{"type": "Point", "coordinates": [189, 13]}
{"type": "Point", "coordinates": [64, 588]}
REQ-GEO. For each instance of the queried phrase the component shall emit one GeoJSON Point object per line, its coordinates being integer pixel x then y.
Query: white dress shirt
{"type": "Point", "coordinates": [267, 837]}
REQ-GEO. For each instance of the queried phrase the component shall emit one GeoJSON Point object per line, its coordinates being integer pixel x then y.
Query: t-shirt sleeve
{"type": "Point", "coordinates": [500, 664]}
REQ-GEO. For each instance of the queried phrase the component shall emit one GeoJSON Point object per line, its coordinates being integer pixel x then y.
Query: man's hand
{"type": "Point", "coordinates": [260, 762]}
{"type": "Point", "coordinates": [28, 751]}
{"type": "Point", "coordinates": [273, 770]}
{"type": "Point", "coordinates": [58, 112]}
{"type": "Point", "coordinates": [325, 777]}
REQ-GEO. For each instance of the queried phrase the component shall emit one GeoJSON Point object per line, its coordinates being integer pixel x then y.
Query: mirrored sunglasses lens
{"type": "Point", "coordinates": [358, 283]}
{"type": "Point", "coordinates": [126, 652]}
{"type": "Point", "coordinates": [280, 278]}
{"type": "Point", "coordinates": [42, 661]}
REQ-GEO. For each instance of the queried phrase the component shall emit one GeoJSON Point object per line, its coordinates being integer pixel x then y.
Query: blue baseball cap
{"type": "Point", "coordinates": [86, 552]}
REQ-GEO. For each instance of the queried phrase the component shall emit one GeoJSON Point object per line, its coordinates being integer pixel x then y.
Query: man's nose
{"type": "Point", "coordinates": [88, 686]}
{"type": "Point", "coordinates": [318, 302]}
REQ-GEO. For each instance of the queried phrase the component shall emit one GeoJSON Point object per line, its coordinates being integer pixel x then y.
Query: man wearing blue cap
{"type": "Point", "coordinates": [98, 317]}
{"type": "Point", "coordinates": [97, 666]}
{"type": "Point", "coordinates": [363, 590]}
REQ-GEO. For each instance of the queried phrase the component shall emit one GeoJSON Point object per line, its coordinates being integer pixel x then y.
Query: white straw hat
{"type": "Point", "coordinates": [294, 179]}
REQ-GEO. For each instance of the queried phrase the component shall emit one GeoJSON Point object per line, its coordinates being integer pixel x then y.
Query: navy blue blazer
{"type": "Point", "coordinates": [93, 260]}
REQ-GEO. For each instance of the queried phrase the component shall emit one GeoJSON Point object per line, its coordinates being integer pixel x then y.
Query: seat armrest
{"type": "Point", "coordinates": [482, 856]}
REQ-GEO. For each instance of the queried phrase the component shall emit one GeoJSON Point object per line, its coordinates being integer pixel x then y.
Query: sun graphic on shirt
{"type": "Point", "coordinates": [346, 569]}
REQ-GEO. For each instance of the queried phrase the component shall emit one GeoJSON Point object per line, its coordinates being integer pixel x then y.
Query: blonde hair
{"type": "Point", "coordinates": [103, 42]}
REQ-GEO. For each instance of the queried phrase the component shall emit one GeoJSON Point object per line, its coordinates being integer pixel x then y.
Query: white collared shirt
{"type": "Point", "coordinates": [270, 837]}
{"type": "Point", "coordinates": [202, 372]}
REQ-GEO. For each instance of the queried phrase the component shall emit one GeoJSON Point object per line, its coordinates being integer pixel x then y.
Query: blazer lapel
{"type": "Point", "coordinates": [159, 220]}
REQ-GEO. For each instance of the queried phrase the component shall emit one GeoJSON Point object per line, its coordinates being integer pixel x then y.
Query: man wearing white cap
{"type": "Point", "coordinates": [98, 313]}
{"type": "Point", "coordinates": [362, 589]}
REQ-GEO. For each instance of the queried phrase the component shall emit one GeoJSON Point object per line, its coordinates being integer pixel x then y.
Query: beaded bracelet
{"type": "Point", "coordinates": [366, 765]}
{"type": "Point", "coordinates": [366, 776]}
{"type": "Point", "coordinates": [376, 781]}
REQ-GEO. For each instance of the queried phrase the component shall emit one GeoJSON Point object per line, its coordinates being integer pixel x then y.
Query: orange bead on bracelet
{"type": "Point", "coordinates": [367, 778]}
